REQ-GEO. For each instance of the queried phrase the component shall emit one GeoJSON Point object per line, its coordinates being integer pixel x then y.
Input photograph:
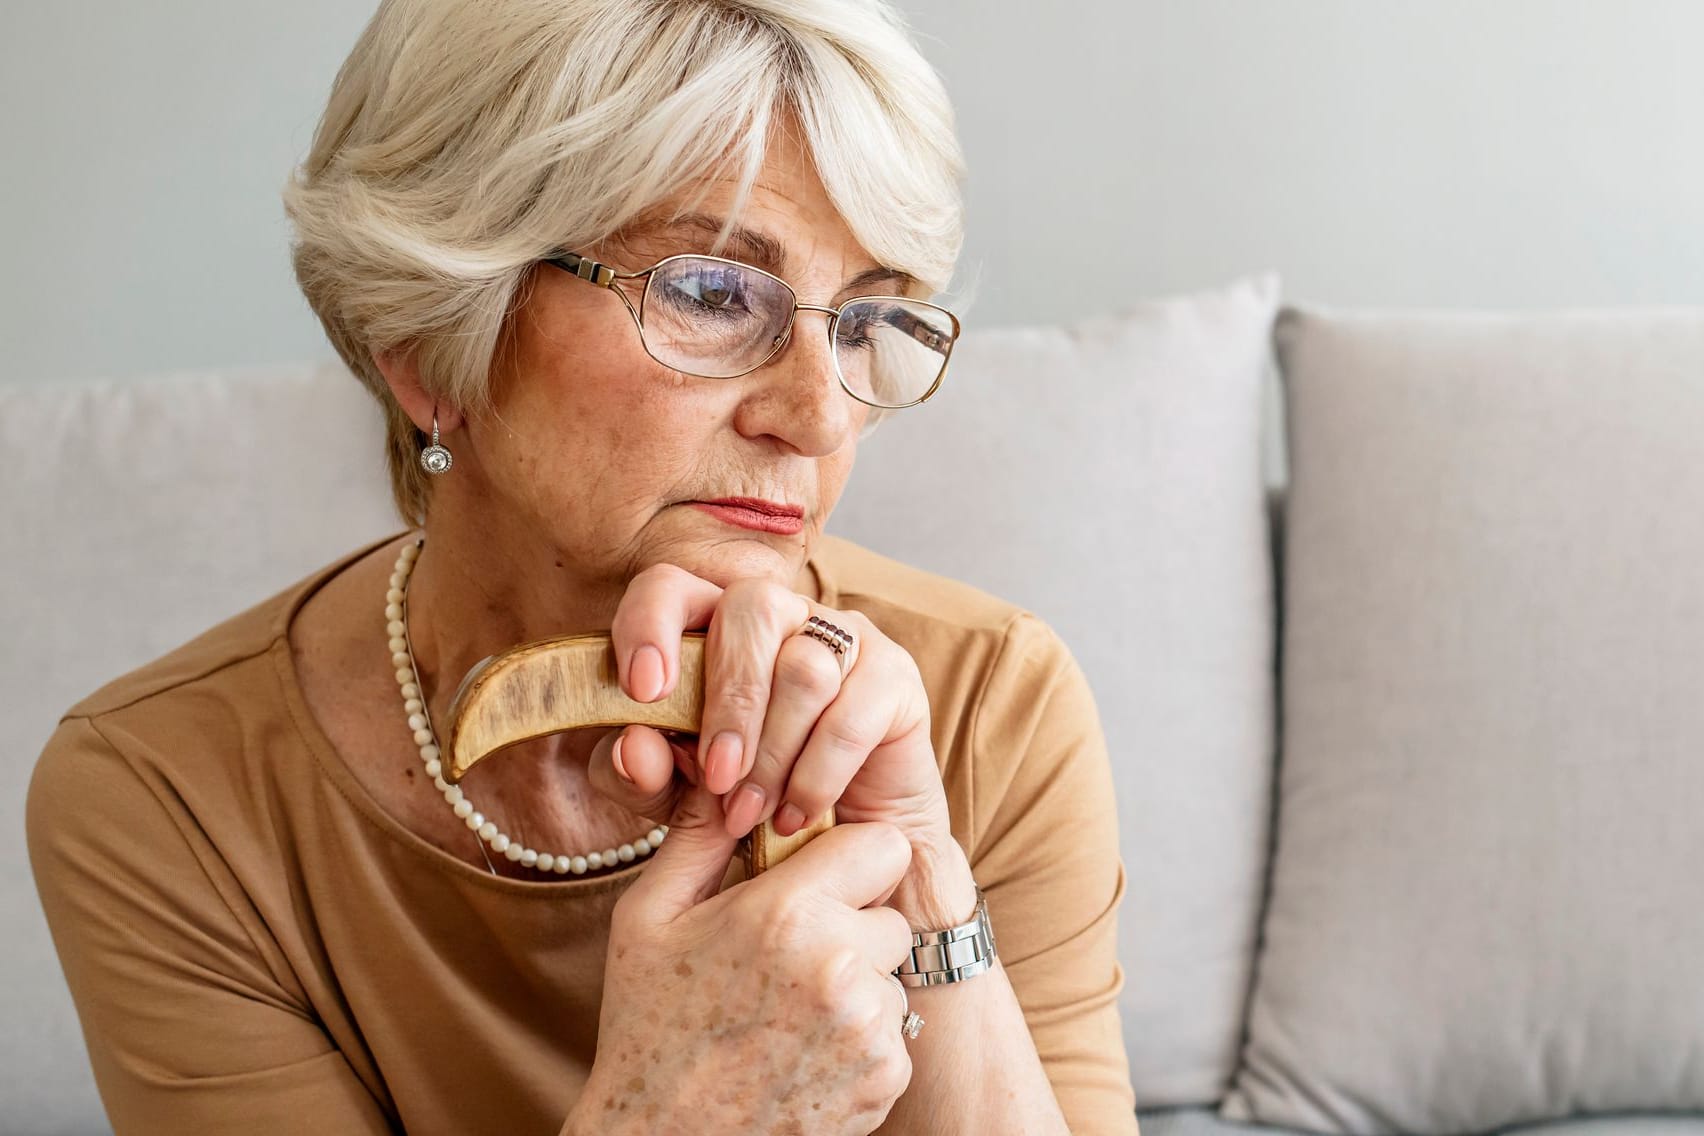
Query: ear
{"type": "Point", "coordinates": [402, 375]}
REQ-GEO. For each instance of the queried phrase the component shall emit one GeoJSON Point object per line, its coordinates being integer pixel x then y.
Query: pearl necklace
{"type": "Point", "coordinates": [414, 705]}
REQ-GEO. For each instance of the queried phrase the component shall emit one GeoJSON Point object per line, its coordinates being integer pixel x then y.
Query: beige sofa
{"type": "Point", "coordinates": [1406, 722]}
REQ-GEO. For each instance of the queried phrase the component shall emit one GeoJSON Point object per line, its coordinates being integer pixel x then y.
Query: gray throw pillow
{"type": "Point", "coordinates": [1485, 904]}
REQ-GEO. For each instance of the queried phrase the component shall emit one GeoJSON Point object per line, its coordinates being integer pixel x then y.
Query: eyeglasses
{"type": "Point", "coordinates": [720, 319]}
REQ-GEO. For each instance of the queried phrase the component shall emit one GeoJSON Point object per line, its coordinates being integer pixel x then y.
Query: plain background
{"type": "Point", "coordinates": [1454, 153]}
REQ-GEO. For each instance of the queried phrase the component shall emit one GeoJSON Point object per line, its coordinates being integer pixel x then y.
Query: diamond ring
{"type": "Point", "coordinates": [910, 1022]}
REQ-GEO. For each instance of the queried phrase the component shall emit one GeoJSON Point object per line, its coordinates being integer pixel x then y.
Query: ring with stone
{"type": "Point", "coordinates": [910, 1022]}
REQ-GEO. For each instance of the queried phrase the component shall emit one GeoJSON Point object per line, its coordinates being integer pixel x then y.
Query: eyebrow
{"type": "Point", "coordinates": [765, 251]}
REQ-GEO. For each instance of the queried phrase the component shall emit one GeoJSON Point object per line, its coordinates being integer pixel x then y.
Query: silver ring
{"type": "Point", "coordinates": [837, 639]}
{"type": "Point", "coordinates": [910, 1022]}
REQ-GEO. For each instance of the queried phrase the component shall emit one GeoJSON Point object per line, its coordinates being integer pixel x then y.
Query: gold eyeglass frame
{"type": "Point", "coordinates": [602, 275]}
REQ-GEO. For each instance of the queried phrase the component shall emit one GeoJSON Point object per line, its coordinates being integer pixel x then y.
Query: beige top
{"type": "Point", "coordinates": [254, 945]}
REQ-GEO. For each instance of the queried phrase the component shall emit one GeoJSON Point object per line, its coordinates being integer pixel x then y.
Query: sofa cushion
{"type": "Point", "coordinates": [1108, 476]}
{"type": "Point", "coordinates": [138, 514]}
{"type": "Point", "coordinates": [1485, 907]}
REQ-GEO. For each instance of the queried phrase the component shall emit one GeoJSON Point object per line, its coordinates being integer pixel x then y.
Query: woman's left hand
{"type": "Point", "coordinates": [778, 717]}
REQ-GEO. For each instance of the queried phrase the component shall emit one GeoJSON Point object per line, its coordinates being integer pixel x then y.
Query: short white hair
{"type": "Point", "coordinates": [465, 140]}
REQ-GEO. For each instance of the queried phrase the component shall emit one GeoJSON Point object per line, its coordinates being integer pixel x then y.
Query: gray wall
{"type": "Point", "coordinates": [1513, 153]}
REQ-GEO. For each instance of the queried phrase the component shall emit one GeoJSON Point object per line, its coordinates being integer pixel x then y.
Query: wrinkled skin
{"type": "Point", "coordinates": [727, 1014]}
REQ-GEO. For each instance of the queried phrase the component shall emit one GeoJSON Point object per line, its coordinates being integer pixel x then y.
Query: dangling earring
{"type": "Point", "coordinates": [435, 458]}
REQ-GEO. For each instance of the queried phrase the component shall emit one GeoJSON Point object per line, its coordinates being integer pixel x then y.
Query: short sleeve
{"type": "Point", "coordinates": [189, 1022]}
{"type": "Point", "coordinates": [1046, 854]}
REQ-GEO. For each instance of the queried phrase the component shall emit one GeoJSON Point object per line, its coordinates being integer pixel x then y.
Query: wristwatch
{"type": "Point", "coordinates": [953, 955]}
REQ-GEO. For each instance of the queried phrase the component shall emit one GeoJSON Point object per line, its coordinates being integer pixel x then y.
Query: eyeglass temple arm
{"type": "Point", "coordinates": [920, 330]}
{"type": "Point", "coordinates": [585, 268]}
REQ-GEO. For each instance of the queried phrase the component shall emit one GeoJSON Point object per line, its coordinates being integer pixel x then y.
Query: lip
{"type": "Point", "coordinates": [755, 513]}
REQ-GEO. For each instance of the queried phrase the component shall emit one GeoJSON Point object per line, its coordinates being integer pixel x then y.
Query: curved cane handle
{"type": "Point", "coordinates": [571, 682]}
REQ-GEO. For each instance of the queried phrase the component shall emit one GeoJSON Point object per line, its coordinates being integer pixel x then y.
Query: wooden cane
{"type": "Point", "coordinates": [571, 683]}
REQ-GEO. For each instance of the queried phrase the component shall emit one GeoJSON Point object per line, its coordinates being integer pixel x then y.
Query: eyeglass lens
{"type": "Point", "coordinates": [718, 319]}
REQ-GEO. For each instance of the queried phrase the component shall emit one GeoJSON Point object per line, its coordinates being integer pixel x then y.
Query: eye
{"type": "Point", "coordinates": [715, 288]}
{"type": "Point", "coordinates": [859, 322]}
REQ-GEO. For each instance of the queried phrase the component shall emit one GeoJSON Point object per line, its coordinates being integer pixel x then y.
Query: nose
{"type": "Point", "coordinates": [797, 395]}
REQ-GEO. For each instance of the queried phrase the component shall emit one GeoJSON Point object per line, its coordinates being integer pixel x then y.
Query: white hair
{"type": "Point", "coordinates": [465, 140]}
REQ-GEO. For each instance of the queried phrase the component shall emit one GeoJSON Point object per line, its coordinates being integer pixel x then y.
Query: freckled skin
{"type": "Point", "coordinates": [761, 1035]}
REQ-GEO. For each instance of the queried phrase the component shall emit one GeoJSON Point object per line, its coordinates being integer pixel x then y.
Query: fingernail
{"type": "Point", "coordinates": [789, 820]}
{"type": "Point", "coordinates": [645, 675]}
{"type": "Point", "coordinates": [615, 759]}
{"type": "Point", "coordinates": [722, 762]}
{"type": "Point", "coordinates": [745, 807]}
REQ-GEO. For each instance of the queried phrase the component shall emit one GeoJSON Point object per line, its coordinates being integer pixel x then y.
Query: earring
{"type": "Point", "coordinates": [435, 458]}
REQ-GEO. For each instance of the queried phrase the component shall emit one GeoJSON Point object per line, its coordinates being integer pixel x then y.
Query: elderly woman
{"type": "Point", "coordinates": [630, 279]}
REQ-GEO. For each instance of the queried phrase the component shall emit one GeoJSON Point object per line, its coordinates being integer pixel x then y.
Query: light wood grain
{"type": "Point", "coordinates": [571, 683]}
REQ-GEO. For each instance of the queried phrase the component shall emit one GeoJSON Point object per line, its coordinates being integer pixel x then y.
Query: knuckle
{"type": "Point", "coordinates": [753, 594]}
{"type": "Point", "coordinates": [779, 924]}
{"type": "Point", "coordinates": [869, 1017]}
{"type": "Point", "coordinates": [828, 985]}
{"type": "Point", "coordinates": [773, 597]}
{"type": "Point", "coordinates": [745, 696]}
{"type": "Point", "coordinates": [808, 668]}
{"type": "Point", "coordinates": [744, 588]}
{"type": "Point", "coordinates": [892, 660]}
{"type": "Point", "coordinates": [893, 1073]}
{"type": "Point", "coordinates": [884, 1071]}
{"type": "Point", "coordinates": [769, 765]}
{"type": "Point", "coordinates": [844, 733]}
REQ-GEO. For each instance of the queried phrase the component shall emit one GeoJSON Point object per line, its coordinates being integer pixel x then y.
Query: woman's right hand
{"type": "Point", "coordinates": [763, 1009]}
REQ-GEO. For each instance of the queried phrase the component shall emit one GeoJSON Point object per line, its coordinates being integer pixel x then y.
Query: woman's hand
{"type": "Point", "coordinates": [782, 735]}
{"type": "Point", "coordinates": [764, 1009]}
